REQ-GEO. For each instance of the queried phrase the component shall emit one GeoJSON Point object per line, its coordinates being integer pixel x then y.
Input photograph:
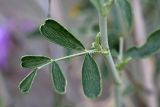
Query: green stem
{"type": "Point", "coordinates": [118, 96]}
{"type": "Point", "coordinates": [109, 59]}
{"type": "Point", "coordinates": [49, 9]}
{"type": "Point", "coordinates": [118, 89]}
{"type": "Point", "coordinates": [121, 42]}
{"type": "Point", "coordinates": [73, 55]}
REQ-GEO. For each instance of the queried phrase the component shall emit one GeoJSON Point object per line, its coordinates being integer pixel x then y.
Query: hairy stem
{"type": "Point", "coordinates": [109, 59]}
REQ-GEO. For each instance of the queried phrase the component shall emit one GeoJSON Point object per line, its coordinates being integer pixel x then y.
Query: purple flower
{"type": "Point", "coordinates": [4, 46]}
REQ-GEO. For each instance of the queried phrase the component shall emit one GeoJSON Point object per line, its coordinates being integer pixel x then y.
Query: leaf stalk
{"type": "Point", "coordinates": [74, 55]}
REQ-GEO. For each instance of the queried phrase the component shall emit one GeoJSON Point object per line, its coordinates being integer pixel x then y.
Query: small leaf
{"type": "Point", "coordinates": [26, 84]}
{"type": "Point", "coordinates": [97, 4]}
{"type": "Point", "coordinates": [121, 65]}
{"type": "Point", "coordinates": [125, 11]}
{"type": "Point", "coordinates": [34, 61]}
{"type": "Point", "coordinates": [151, 47]}
{"type": "Point", "coordinates": [97, 44]}
{"type": "Point", "coordinates": [98, 39]}
{"type": "Point", "coordinates": [56, 33]}
{"type": "Point", "coordinates": [58, 78]}
{"type": "Point", "coordinates": [91, 78]}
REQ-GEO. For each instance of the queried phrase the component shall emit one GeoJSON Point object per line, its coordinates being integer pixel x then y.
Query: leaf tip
{"type": "Point", "coordinates": [23, 91]}
{"type": "Point", "coordinates": [26, 84]}
{"type": "Point", "coordinates": [22, 61]}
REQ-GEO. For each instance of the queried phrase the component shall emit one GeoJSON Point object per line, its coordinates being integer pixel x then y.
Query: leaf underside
{"type": "Point", "coordinates": [56, 33]}
{"type": "Point", "coordinates": [58, 78]}
{"type": "Point", "coordinates": [26, 84]}
{"type": "Point", "coordinates": [34, 61]}
{"type": "Point", "coordinates": [91, 78]}
{"type": "Point", "coordinates": [151, 47]}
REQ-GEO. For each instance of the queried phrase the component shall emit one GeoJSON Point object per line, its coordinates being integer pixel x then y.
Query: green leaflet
{"type": "Point", "coordinates": [34, 61]}
{"type": "Point", "coordinates": [56, 33]}
{"type": "Point", "coordinates": [125, 13]}
{"type": "Point", "coordinates": [91, 78]}
{"type": "Point", "coordinates": [151, 47]}
{"type": "Point", "coordinates": [58, 78]}
{"type": "Point", "coordinates": [97, 4]}
{"type": "Point", "coordinates": [26, 84]}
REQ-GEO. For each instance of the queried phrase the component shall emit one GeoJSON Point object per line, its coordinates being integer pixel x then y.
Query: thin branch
{"type": "Point", "coordinates": [49, 9]}
{"type": "Point", "coordinates": [74, 55]}
{"type": "Point", "coordinates": [109, 59]}
{"type": "Point", "coordinates": [121, 43]}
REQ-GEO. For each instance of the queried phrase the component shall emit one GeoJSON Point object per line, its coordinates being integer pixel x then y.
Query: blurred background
{"type": "Point", "coordinates": [19, 35]}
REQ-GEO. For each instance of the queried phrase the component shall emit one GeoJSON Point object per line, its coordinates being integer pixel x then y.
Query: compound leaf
{"type": "Point", "coordinates": [91, 78]}
{"type": "Point", "coordinates": [56, 33]}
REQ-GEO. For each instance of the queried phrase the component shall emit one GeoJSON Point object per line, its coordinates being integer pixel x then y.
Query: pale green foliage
{"type": "Point", "coordinates": [125, 13]}
{"type": "Point", "coordinates": [150, 47]}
